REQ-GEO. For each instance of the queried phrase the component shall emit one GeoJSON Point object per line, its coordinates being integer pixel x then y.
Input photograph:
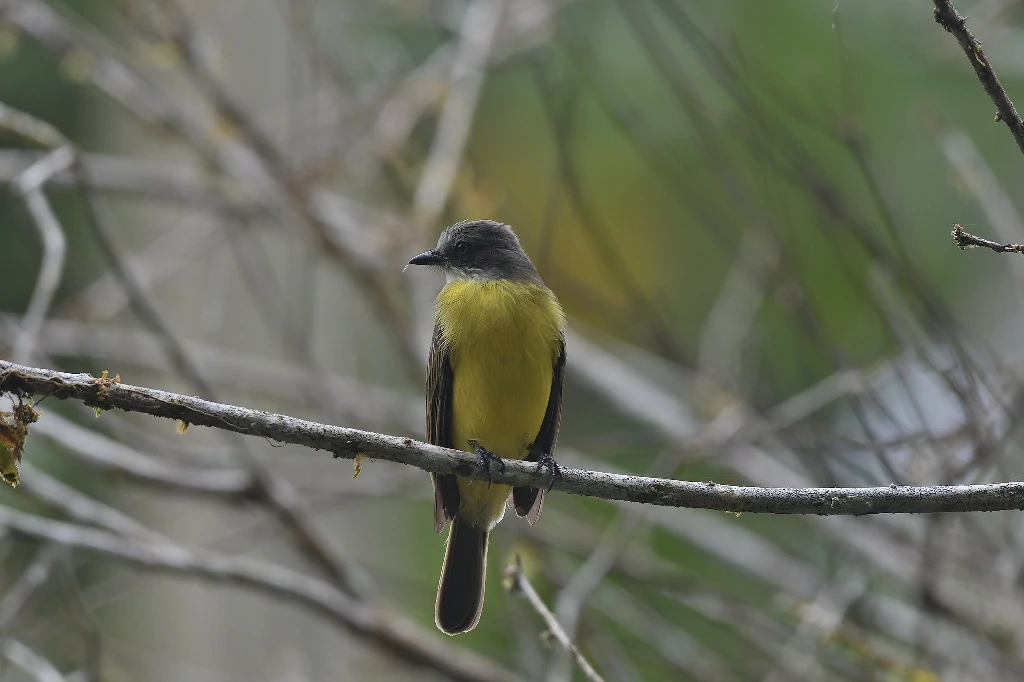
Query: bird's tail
{"type": "Point", "coordinates": [460, 594]}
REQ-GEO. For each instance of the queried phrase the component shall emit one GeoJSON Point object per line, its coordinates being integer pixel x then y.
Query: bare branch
{"type": "Point", "coordinates": [965, 239]}
{"type": "Point", "coordinates": [518, 583]}
{"type": "Point", "coordinates": [947, 17]}
{"type": "Point", "coordinates": [348, 443]}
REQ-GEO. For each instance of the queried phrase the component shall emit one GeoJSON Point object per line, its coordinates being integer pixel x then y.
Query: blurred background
{"type": "Point", "coordinates": [745, 209]}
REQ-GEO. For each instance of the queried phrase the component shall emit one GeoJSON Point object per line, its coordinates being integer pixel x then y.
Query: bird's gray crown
{"type": "Point", "coordinates": [480, 249]}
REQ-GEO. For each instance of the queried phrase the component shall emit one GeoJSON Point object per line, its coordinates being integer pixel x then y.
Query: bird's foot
{"type": "Point", "coordinates": [484, 457]}
{"type": "Point", "coordinates": [546, 461]}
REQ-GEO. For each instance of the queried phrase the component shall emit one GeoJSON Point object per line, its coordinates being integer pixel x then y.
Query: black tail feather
{"type": "Point", "coordinates": [460, 594]}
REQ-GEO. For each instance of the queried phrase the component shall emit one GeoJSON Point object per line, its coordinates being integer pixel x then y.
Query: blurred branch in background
{"type": "Point", "coordinates": [391, 631]}
{"type": "Point", "coordinates": [469, 64]}
{"type": "Point", "coordinates": [28, 184]}
{"type": "Point", "coordinates": [31, 662]}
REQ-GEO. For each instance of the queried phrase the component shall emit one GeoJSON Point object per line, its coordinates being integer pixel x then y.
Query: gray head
{"type": "Point", "coordinates": [480, 249]}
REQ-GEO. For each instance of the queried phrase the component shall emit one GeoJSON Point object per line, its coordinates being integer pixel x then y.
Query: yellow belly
{"type": "Point", "coordinates": [503, 340]}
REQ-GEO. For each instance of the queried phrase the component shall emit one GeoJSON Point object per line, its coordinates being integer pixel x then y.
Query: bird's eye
{"type": "Point", "coordinates": [462, 247]}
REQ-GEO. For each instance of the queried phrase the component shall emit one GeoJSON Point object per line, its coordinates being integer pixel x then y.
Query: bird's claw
{"type": "Point", "coordinates": [484, 457]}
{"type": "Point", "coordinates": [546, 461]}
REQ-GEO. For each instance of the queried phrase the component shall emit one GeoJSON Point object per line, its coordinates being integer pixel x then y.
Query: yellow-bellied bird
{"type": "Point", "coordinates": [494, 388]}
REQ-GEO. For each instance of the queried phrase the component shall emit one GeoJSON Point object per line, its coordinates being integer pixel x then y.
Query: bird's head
{"type": "Point", "coordinates": [479, 249]}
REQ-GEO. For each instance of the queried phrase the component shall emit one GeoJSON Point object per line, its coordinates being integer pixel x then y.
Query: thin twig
{"type": "Point", "coordinates": [947, 17]}
{"type": "Point", "coordinates": [965, 239]}
{"type": "Point", "coordinates": [517, 583]}
{"type": "Point", "coordinates": [348, 443]}
{"type": "Point", "coordinates": [380, 624]}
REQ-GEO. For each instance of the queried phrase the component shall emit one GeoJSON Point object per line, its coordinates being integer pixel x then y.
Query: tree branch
{"type": "Point", "coordinates": [105, 394]}
{"type": "Point", "coordinates": [948, 18]}
{"type": "Point", "coordinates": [965, 239]}
{"type": "Point", "coordinates": [517, 583]}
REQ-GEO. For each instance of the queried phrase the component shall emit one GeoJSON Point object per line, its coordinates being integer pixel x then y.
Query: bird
{"type": "Point", "coordinates": [494, 388]}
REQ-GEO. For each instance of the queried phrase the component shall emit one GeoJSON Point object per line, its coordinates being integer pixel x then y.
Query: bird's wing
{"type": "Point", "coordinates": [439, 426]}
{"type": "Point", "coordinates": [529, 502]}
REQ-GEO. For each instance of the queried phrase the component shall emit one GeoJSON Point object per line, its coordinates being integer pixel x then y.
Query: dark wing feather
{"type": "Point", "coordinates": [529, 502]}
{"type": "Point", "coordinates": [439, 427]}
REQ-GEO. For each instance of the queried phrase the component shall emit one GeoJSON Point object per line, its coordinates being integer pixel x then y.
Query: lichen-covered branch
{"type": "Point", "coordinates": [105, 394]}
{"type": "Point", "coordinates": [951, 20]}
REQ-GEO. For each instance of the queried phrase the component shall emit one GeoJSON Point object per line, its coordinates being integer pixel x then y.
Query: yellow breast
{"type": "Point", "coordinates": [503, 340]}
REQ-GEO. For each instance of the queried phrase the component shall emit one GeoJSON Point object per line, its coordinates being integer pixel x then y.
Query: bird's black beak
{"type": "Point", "coordinates": [431, 257]}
